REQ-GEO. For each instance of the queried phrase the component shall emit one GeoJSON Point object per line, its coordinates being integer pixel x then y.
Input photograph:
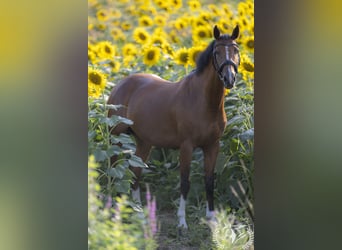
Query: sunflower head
{"type": "Point", "coordinates": [248, 43]}
{"type": "Point", "coordinates": [145, 21]}
{"type": "Point", "coordinates": [181, 56]}
{"type": "Point", "coordinates": [160, 20]}
{"type": "Point", "coordinates": [141, 36]}
{"type": "Point", "coordinates": [129, 49]}
{"type": "Point", "coordinates": [194, 5]}
{"type": "Point", "coordinates": [106, 50]}
{"type": "Point", "coordinates": [102, 15]}
{"type": "Point", "coordinates": [114, 65]}
{"type": "Point", "coordinates": [151, 55]}
{"type": "Point", "coordinates": [200, 33]}
{"type": "Point", "coordinates": [96, 82]}
{"type": "Point", "coordinates": [247, 64]}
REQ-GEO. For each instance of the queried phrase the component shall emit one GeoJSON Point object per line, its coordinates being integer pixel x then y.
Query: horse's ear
{"type": "Point", "coordinates": [235, 32]}
{"type": "Point", "coordinates": [216, 32]}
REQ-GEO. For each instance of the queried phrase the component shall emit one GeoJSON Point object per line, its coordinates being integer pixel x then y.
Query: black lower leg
{"type": "Point", "coordinates": [209, 188]}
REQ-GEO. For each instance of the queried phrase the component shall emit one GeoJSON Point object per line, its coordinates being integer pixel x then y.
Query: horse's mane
{"type": "Point", "coordinates": [204, 58]}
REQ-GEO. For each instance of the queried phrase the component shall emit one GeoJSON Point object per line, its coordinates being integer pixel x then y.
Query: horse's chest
{"type": "Point", "coordinates": [208, 131]}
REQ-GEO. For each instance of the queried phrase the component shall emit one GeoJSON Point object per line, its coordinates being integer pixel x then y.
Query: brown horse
{"type": "Point", "coordinates": [184, 115]}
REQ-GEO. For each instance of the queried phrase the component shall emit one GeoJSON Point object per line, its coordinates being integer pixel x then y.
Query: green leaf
{"type": "Point", "coordinates": [122, 186]}
{"type": "Point", "coordinates": [235, 120]}
{"type": "Point", "coordinates": [122, 138]}
{"type": "Point", "coordinates": [100, 155]}
{"type": "Point", "coordinates": [113, 150]}
{"type": "Point", "coordinates": [136, 161]}
{"type": "Point", "coordinates": [114, 120]}
{"type": "Point", "coordinates": [91, 134]}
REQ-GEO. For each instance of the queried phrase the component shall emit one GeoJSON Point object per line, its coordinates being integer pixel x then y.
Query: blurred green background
{"type": "Point", "coordinates": [43, 110]}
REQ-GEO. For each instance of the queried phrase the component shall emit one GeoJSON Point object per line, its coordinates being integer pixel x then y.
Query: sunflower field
{"type": "Point", "coordinates": [165, 37]}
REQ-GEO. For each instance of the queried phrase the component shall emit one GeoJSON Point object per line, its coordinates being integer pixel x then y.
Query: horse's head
{"type": "Point", "coordinates": [226, 56]}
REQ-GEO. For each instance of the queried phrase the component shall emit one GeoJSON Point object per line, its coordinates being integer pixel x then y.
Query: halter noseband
{"type": "Point", "coordinates": [228, 61]}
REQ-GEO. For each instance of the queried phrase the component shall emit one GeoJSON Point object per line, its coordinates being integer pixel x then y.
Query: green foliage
{"type": "Point", "coordinates": [117, 229]}
{"type": "Point", "coordinates": [230, 233]}
{"type": "Point", "coordinates": [235, 164]}
{"type": "Point", "coordinates": [114, 177]}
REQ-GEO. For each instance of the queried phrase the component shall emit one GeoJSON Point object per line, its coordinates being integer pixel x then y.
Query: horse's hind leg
{"type": "Point", "coordinates": [185, 156]}
{"type": "Point", "coordinates": [142, 151]}
{"type": "Point", "coordinates": [210, 155]}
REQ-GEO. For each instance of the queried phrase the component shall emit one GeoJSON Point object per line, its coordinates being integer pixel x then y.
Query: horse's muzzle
{"type": "Point", "coordinates": [229, 81]}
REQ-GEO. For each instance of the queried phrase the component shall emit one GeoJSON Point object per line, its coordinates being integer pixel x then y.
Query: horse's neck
{"type": "Point", "coordinates": [214, 90]}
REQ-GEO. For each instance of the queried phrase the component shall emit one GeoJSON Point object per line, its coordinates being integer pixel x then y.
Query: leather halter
{"type": "Point", "coordinates": [228, 61]}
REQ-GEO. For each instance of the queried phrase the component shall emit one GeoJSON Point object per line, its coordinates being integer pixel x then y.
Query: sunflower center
{"type": "Point", "coordinates": [250, 44]}
{"type": "Point", "coordinates": [107, 49]}
{"type": "Point", "coordinates": [248, 67]}
{"type": "Point", "coordinates": [183, 57]}
{"type": "Point", "coordinates": [150, 55]}
{"type": "Point", "coordinates": [95, 78]}
{"type": "Point", "coordinates": [202, 34]}
{"type": "Point", "coordinates": [142, 36]}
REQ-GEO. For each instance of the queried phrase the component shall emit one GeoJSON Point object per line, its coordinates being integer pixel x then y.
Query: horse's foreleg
{"type": "Point", "coordinates": [142, 151]}
{"type": "Point", "coordinates": [210, 155]}
{"type": "Point", "coordinates": [185, 156]}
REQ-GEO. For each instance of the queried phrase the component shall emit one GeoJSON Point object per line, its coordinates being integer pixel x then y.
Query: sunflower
{"type": "Point", "coordinates": [102, 15]}
{"type": "Point", "coordinates": [126, 26]}
{"type": "Point", "coordinates": [151, 55]}
{"type": "Point", "coordinates": [160, 20]}
{"type": "Point", "coordinates": [162, 4]}
{"type": "Point", "coordinates": [129, 49]}
{"type": "Point", "coordinates": [247, 64]}
{"type": "Point", "coordinates": [194, 5]}
{"type": "Point", "coordinates": [180, 23]}
{"type": "Point", "coordinates": [96, 82]}
{"type": "Point", "coordinates": [116, 13]}
{"type": "Point", "coordinates": [242, 7]}
{"type": "Point", "coordinates": [101, 26]}
{"type": "Point", "coordinates": [114, 65]}
{"type": "Point", "coordinates": [157, 40]}
{"type": "Point", "coordinates": [247, 68]}
{"type": "Point", "coordinates": [145, 21]}
{"type": "Point", "coordinates": [243, 23]}
{"type": "Point", "coordinates": [91, 56]}
{"type": "Point", "coordinates": [141, 36]}
{"type": "Point", "coordinates": [224, 26]}
{"type": "Point", "coordinates": [117, 34]}
{"type": "Point", "coordinates": [167, 49]}
{"type": "Point", "coordinates": [193, 54]}
{"type": "Point", "coordinates": [200, 33]}
{"type": "Point", "coordinates": [129, 61]}
{"type": "Point", "coordinates": [174, 37]}
{"type": "Point", "coordinates": [176, 4]}
{"type": "Point", "coordinates": [227, 10]}
{"type": "Point", "coordinates": [106, 50]}
{"type": "Point", "coordinates": [248, 43]}
{"type": "Point", "coordinates": [206, 16]}
{"type": "Point", "coordinates": [181, 56]}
